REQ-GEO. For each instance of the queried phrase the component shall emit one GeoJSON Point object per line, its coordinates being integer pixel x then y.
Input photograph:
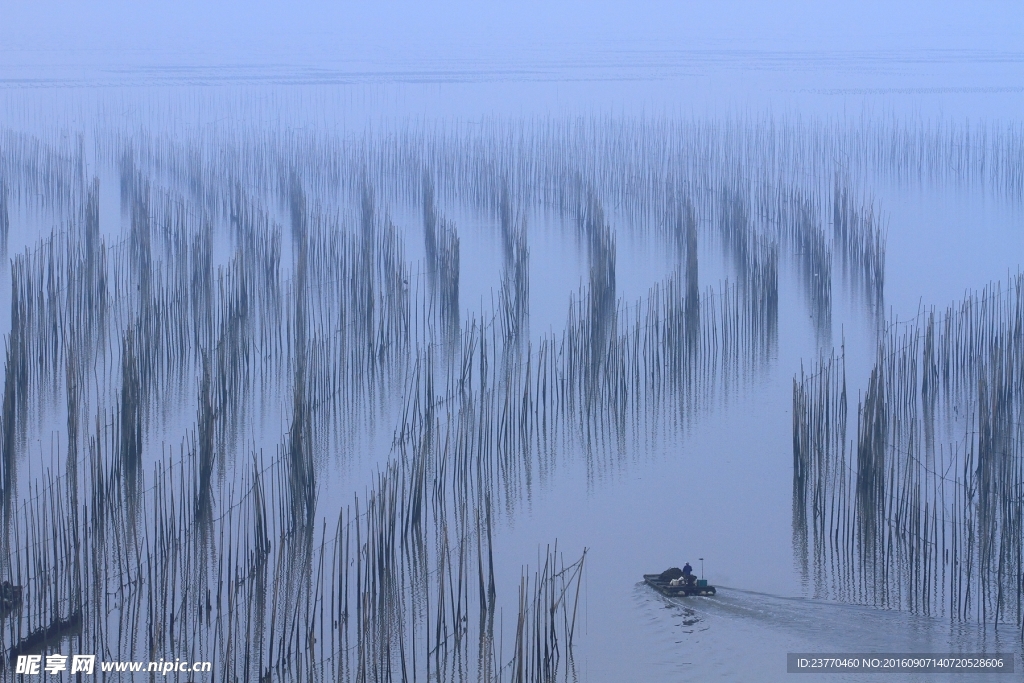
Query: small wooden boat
{"type": "Point", "coordinates": [673, 584]}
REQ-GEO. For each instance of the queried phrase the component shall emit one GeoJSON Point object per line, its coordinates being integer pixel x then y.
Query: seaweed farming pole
{"type": "Point", "coordinates": [935, 525]}
{"type": "Point", "coordinates": [301, 475]}
{"type": "Point", "coordinates": [5, 217]}
{"type": "Point", "coordinates": [688, 224]}
{"type": "Point", "coordinates": [819, 464]}
{"type": "Point", "coordinates": [514, 301]}
{"type": "Point", "coordinates": [859, 237]}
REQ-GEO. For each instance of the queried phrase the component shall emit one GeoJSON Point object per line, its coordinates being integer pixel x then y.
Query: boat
{"type": "Point", "coordinates": [671, 583]}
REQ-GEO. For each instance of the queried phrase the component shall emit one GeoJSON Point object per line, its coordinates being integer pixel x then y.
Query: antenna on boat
{"type": "Point", "coordinates": [701, 567]}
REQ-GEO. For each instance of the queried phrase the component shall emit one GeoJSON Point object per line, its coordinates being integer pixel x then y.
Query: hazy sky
{"type": "Point", "coordinates": [196, 32]}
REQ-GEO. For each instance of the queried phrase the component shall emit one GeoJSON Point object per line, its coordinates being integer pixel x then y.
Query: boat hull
{"type": "Point", "coordinates": [683, 590]}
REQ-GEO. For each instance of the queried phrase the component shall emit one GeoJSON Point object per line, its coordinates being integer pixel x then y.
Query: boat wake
{"type": "Point", "coordinates": [746, 634]}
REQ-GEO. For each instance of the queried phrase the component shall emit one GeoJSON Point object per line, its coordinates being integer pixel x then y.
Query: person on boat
{"type": "Point", "coordinates": [688, 577]}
